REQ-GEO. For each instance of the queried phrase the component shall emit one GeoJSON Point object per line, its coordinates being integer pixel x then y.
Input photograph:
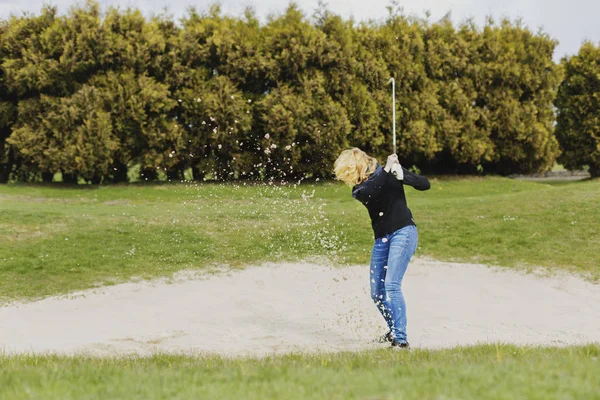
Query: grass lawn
{"type": "Point", "coordinates": [56, 239]}
{"type": "Point", "coordinates": [482, 372]}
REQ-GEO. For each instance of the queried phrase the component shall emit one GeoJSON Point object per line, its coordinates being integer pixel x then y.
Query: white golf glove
{"type": "Point", "coordinates": [397, 171]}
{"type": "Point", "coordinates": [391, 160]}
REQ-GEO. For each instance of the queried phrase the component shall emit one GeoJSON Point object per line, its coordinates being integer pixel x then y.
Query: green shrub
{"type": "Point", "coordinates": [578, 104]}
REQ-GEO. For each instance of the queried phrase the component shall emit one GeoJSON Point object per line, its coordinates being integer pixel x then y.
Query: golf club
{"type": "Point", "coordinates": [396, 169]}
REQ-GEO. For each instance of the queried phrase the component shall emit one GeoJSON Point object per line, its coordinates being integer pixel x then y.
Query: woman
{"type": "Point", "coordinates": [381, 190]}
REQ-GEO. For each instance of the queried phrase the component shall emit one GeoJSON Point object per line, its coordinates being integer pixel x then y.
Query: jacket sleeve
{"type": "Point", "coordinates": [417, 181]}
{"type": "Point", "coordinates": [371, 188]}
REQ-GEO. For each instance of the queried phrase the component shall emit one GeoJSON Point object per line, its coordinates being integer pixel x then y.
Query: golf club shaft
{"type": "Point", "coordinates": [394, 111]}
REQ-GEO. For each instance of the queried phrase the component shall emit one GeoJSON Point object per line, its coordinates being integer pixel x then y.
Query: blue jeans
{"type": "Point", "coordinates": [389, 261]}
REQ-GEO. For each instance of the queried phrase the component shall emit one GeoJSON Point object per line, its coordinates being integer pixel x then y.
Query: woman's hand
{"type": "Point", "coordinates": [391, 160]}
{"type": "Point", "coordinates": [398, 172]}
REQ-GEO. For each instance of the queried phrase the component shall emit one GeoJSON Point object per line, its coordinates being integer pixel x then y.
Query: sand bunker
{"type": "Point", "coordinates": [278, 308]}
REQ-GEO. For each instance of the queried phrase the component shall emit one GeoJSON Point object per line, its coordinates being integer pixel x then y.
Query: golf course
{"type": "Point", "coordinates": [100, 245]}
{"type": "Point", "coordinates": [381, 200]}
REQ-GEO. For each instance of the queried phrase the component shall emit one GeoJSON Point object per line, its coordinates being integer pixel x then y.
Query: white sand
{"type": "Point", "coordinates": [306, 307]}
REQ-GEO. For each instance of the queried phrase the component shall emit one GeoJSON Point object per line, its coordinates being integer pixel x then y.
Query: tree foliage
{"type": "Point", "coordinates": [578, 104]}
{"type": "Point", "coordinates": [68, 134]}
{"type": "Point", "coordinates": [92, 94]}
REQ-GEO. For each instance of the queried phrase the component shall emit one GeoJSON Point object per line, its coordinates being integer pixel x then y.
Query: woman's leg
{"type": "Point", "coordinates": [379, 259]}
{"type": "Point", "coordinates": [403, 244]}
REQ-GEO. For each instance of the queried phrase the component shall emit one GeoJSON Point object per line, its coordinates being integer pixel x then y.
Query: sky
{"type": "Point", "coordinates": [571, 22]}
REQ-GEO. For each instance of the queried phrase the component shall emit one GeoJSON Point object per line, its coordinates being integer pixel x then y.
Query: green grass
{"type": "Point", "coordinates": [481, 372]}
{"type": "Point", "coordinates": [56, 239]}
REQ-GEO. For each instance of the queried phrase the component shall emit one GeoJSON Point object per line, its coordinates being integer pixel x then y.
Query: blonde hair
{"type": "Point", "coordinates": [354, 166]}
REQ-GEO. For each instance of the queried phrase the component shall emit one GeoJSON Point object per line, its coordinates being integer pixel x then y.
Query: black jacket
{"type": "Point", "coordinates": [384, 197]}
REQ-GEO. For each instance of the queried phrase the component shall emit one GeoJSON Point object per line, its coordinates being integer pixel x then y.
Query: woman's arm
{"type": "Point", "coordinates": [417, 181]}
{"type": "Point", "coordinates": [372, 187]}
